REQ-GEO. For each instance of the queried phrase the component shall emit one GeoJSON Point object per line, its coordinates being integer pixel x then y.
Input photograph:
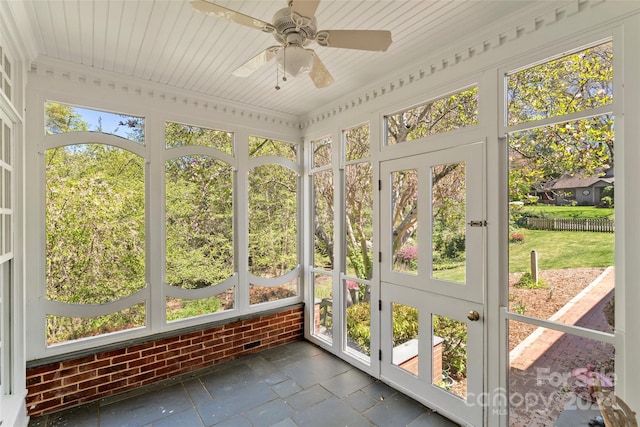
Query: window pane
{"type": "Point", "coordinates": [179, 135]}
{"type": "Point", "coordinates": [199, 225]}
{"type": "Point", "coordinates": [62, 118]}
{"type": "Point", "coordinates": [561, 240]}
{"type": "Point", "coordinates": [323, 219]}
{"type": "Point", "coordinates": [6, 157]}
{"type": "Point", "coordinates": [271, 147]}
{"type": "Point", "coordinates": [61, 328]}
{"type": "Point", "coordinates": [357, 143]}
{"type": "Point", "coordinates": [573, 83]}
{"type": "Point", "coordinates": [449, 194]}
{"type": "Point", "coordinates": [321, 152]}
{"type": "Point", "coordinates": [358, 218]}
{"type": "Point", "coordinates": [273, 230]}
{"type": "Point", "coordinates": [178, 308]}
{"type": "Point", "coordinates": [404, 208]}
{"type": "Point", "coordinates": [551, 375]}
{"type": "Point", "coordinates": [95, 223]}
{"type": "Point", "coordinates": [434, 117]}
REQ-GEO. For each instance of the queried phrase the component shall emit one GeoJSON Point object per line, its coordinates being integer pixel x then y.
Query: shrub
{"type": "Point", "coordinates": [516, 238]}
{"type": "Point", "coordinates": [405, 328]}
{"type": "Point", "coordinates": [408, 255]}
{"type": "Point", "coordinates": [454, 349]}
{"type": "Point", "coordinates": [527, 282]}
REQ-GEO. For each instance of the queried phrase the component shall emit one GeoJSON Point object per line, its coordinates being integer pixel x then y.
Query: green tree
{"type": "Point", "coordinates": [574, 83]}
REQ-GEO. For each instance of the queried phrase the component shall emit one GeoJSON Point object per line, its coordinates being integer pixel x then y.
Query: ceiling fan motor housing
{"type": "Point", "coordinates": [285, 24]}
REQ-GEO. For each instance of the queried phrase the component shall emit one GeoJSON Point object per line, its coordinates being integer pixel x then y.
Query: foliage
{"type": "Point", "coordinates": [359, 325]}
{"type": "Point", "coordinates": [405, 328]}
{"type": "Point", "coordinates": [182, 309]}
{"type": "Point", "coordinates": [608, 196]}
{"type": "Point", "coordinates": [519, 308]}
{"type": "Point", "coordinates": [199, 221]}
{"type": "Point", "coordinates": [61, 118]}
{"type": "Point", "coordinates": [408, 257]}
{"type": "Point", "coordinates": [551, 211]}
{"type": "Point", "coordinates": [260, 294]}
{"type": "Point", "coordinates": [454, 348]}
{"type": "Point", "coordinates": [103, 259]}
{"type": "Point", "coordinates": [516, 238]}
{"type": "Point", "coordinates": [526, 282]}
{"type": "Point", "coordinates": [437, 116]}
{"type": "Point", "coordinates": [576, 82]}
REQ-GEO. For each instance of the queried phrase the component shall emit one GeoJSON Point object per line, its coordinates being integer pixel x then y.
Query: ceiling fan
{"type": "Point", "coordinates": [295, 27]}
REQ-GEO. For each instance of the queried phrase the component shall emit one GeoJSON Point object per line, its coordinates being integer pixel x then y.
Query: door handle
{"type": "Point", "coordinates": [473, 316]}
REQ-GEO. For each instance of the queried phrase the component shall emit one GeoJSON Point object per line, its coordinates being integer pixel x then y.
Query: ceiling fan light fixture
{"type": "Point", "coordinates": [294, 60]}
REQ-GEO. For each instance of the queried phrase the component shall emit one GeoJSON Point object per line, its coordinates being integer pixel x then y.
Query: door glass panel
{"type": "Point", "coordinates": [323, 306]}
{"type": "Point", "coordinates": [404, 205]}
{"type": "Point", "coordinates": [448, 194]}
{"type": "Point", "coordinates": [358, 316]}
{"type": "Point", "coordinates": [449, 348]}
{"type": "Point", "coordinates": [405, 337]}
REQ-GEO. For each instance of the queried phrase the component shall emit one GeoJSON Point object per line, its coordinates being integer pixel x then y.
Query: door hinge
{"type": "Point", "coordinates": [379, 256]}
{"type": "Point", "coordinates": [481, 223]}
{"type": "Point", "coordinates": [380, 355]}
{"type": "Point", "coordinates": [379, 185]}
{"type": "Point", "coordinates": [379, 305]}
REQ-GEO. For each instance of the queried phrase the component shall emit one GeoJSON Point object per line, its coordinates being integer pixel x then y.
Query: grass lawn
{"type": "Point", "coordinates": [561, 249]}
{"type": "Point", "coordinates": [548, 211]}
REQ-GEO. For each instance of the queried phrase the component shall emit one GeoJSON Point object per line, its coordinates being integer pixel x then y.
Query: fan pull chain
{"type": "Point", "coordinates": [284, 63]}
{"type": "Point", "coordinates": [277, 78]}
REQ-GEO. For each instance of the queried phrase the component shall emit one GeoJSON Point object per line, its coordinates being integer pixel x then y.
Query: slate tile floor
{"type": "Point", "coordinates": [297, 384]}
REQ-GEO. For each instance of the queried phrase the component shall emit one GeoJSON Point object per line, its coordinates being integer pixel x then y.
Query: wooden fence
{"type": "Point", "coordinates": [602, 225]}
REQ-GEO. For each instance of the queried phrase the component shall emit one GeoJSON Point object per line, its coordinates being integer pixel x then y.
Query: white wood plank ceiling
{"type": "Point", "coordinates": [167, 42]}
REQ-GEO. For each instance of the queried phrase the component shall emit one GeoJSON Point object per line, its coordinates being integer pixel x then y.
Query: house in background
{"type": "Point", "coordinates": [583, 190]}
{"type": "Point", "coordinates": [169, 65]}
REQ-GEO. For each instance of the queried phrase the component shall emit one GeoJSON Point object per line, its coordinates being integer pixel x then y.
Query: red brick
{"type": "Point", "coordinates": [154, 350]}
{"type": "Point", "coordinates": [78, 361]}
{"type": "Point", "coordinates": [153, 366]}
{"type": "Point", "coordinates": [43, 369]}
{"type": "Point", "coordinates": [125, 357]}
{"type": "Point", "coordinates": [111, 369]}
{"type": "Point", "coordinates": [94, 365]}
{"type": "Point", "coordinates": [59, 392]}
{"type": "Point", "coordinates": [140, 377]}
{"type": "Point", "coordinates": [92, 383]}
{"type": "Point", "coordinates": [142, 361]}
{"type": "Point", "coordinates": [112, 386]}
{"type": "Point", "coordinates": [110, 354]}
{"type": "Point", "coordinates": [78, 378]}
{"type": "Point", "coordinates": [125, 374]}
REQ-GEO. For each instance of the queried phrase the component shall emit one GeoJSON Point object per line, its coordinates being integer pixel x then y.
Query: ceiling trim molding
{"type": "Point", "coordinates": [535, 24]}
{"type": "Point", "coordinates": [81, 75]}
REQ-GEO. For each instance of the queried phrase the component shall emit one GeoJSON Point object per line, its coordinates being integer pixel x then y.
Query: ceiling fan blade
{"type": "Point", "coordinates": [306, 8]}
{"type": "Point", "coordinates": [252, 65]}
{"type": "Point", "coordinates": [230, 15]}
{"type": "Point", "coordinates": [319, 73]}
{"type": "Point", "coordinates": [378, 40]}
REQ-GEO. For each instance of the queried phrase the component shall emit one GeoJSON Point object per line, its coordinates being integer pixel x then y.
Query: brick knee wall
{"type": "Point", "coordinates": [60, 385]}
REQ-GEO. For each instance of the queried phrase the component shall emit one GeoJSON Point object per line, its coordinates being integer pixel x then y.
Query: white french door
{"type": "Point", "coordinates": [433, 278]}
